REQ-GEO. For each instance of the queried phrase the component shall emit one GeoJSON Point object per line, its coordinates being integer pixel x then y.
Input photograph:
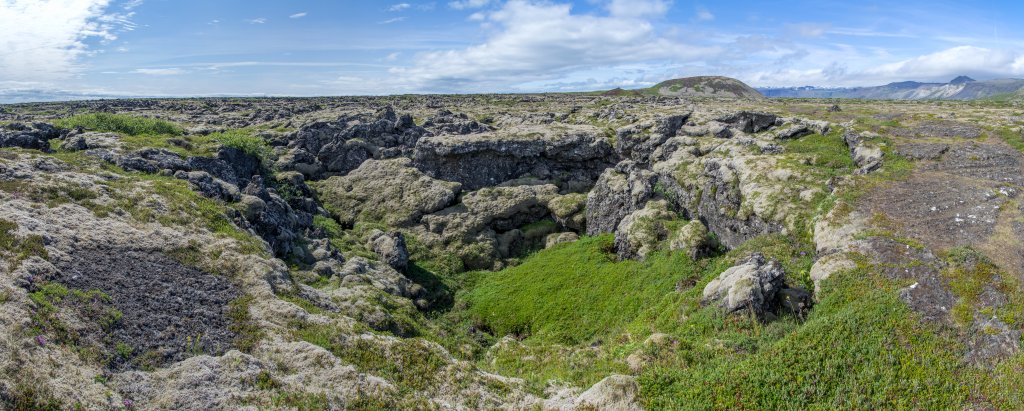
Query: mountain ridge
{"type": "Point", "coordinates": [959, 88]}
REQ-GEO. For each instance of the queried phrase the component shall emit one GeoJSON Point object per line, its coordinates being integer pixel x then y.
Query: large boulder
{"type": "Point", "coordinates": [569, 211]}
{"type": "Point", "coordinates": [619, 192]}
{"type": "Point", "coordinates": [573, 157]}
{"type": "Point", "coordinates": [643, 231]}
{"type": "Point", "coordinates": [35, 136]}
{"type": "Point", "coordinates": [692, 239]}
{"type": "Point", "coordinates": [615, 392]}
{"type": "Point", "coordinates": [389, 191]}
{"type": "Point", "coordinates": [390, 247]}
{"type": "Point", "coordinates": [750, 285]}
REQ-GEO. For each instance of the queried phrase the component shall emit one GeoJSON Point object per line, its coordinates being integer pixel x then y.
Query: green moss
{"type": "Point", "coordinates": [20, 248]}
{"type": "Point", "coordinates": [25, 396]}
{"type": "Point", "coordinates": [247, 331]}
{"type": "Point", "coordinates": [1013, 138]}
{"type": "Point", "coordinates": [409, 363]}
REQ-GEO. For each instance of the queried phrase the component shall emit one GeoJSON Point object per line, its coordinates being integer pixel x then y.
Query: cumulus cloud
{"type": "Point", "coordinates": [540, 40]}
{"type": "Point", "coordinates": [399, 7]}
{"type": "Point", "coordinates": [42, 40]}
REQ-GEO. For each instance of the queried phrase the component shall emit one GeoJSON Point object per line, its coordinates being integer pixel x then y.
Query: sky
{"type": "Point", "coordinates": [347, 47]}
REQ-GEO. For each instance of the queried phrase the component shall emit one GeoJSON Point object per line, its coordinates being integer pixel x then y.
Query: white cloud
{"type": "Point", "coordinates": [298, 15]}
{"type": "Point", "coordinates": [638, 8]}
{"type": "Point", "coordinates": [536, 41]}
{"type": "Point", "coordinates": [43, 40]}
{"type": "Point", "coordinates": [952, 62]}
{"type": "Point", "coordinates": [392, 56]}
{"type": "Point", "coordinates": [468, 4]}
{"type": "Point", "coordinates": [160, 71]}
{"type": "Point", "coordinates": [704, 14]}
{"type": "Point", "coordinates": [399, 7]}
{"type": "Point", "coordinates": [394, 20]}
{"type": "Point", "coordinates": [258, 20]}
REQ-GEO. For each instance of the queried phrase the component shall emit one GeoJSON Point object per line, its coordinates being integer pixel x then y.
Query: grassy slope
{"type": "Point", "coordinates": [580, 314]}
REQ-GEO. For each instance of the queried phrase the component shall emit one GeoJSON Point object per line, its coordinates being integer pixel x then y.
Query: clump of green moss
{"type": "Point", "coordinates": [20, 248]}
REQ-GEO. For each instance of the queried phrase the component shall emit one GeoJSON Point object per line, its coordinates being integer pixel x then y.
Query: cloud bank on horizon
{"type": "Point", "coordinates": [239, 47]}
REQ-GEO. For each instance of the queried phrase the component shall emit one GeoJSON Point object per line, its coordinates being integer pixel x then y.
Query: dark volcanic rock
{"type": "Point", "coordinates": [446, 122]}
{"type": "Point", "coordinates": [343, 145]}
{"type": "Point", "coordinates": [751, 121]}
{"type": "Point", "coordinates": [482, 160]}
{"type": "Point", "coordinates": [170, 311]}
{"type": "Point", "coordinates": [638, 142]}
{"type": "Point", "coordinates": [619, 192]}
{"type": "Point", "coordinates": [36, 136]}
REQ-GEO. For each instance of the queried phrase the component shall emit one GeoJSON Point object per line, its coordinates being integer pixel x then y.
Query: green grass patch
{"type": "Point", "coordinates": [245, 141]}
{"type": "Point", "coordinates": [120, 123]}
{"type": "Point", "coordinates": [577, 293]}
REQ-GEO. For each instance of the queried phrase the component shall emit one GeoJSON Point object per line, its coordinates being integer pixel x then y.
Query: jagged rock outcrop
{"type": "Point", "coordinates": [486, 225]}
{"type": "Point", "coordinates": [574, 157]}
{"type": "Point", "coordinates": [338, 147]}
{"type": "Point", "coordinates": [569, 211]}
{"type": "Point", "coordinates": [638, 142]}
{"type": "Point", "coordinates": [386, 190]}
{"type": "Point", "coordinates": [34, 136]}
{"type": "Point", "coordinates": [751, 121]}
{"type": "Point", "coordinates": [619, 192]}
{"type": "Point", "coordinates": [867, 156]}
{"type": "Point", "coordinates": [447, 122]}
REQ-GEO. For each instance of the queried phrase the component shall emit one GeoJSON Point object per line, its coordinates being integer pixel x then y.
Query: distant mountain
{"type": "Point", "coordinates": [960, 88]}
{"type": "Point", "coordinates": [700, 86]}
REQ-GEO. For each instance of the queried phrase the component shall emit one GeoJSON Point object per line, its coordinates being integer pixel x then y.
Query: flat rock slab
{"type": "Point", "coordinates": [940, 210]}
{"type": "Point", "coordinates": [922, 151]}
{"type": "Point", "coordinates": [171, 311]}
{"type": "Point", "coordinates": [945, 129]}
{"type": "Point", "coordinates": [995, 162]}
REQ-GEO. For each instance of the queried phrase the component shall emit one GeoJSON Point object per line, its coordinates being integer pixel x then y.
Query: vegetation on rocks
{"type": "Point", "coordinates": [379, 253]}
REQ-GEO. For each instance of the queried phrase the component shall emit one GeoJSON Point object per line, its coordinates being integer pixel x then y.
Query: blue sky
{"type": "Point", "coordinates": [216, 47]}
